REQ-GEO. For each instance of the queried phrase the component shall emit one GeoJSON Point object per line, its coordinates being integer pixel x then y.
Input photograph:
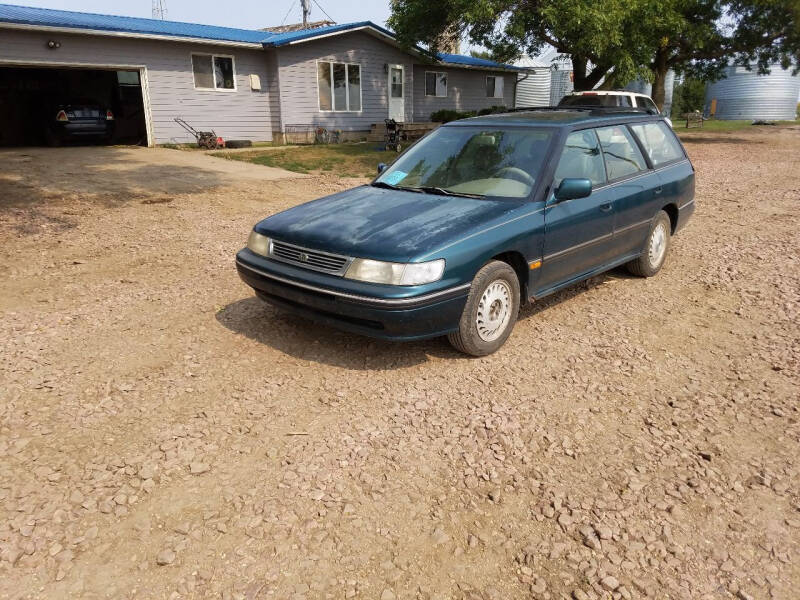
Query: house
{"type": "Point", "coordinates": [242, 83]}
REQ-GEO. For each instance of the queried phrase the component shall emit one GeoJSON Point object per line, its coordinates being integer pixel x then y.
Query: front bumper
{"type": "Point", "coordinates": [410, 318]}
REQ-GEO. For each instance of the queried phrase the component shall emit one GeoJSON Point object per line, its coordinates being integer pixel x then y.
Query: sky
{"type": "Point", "coordinates": [247, 14]}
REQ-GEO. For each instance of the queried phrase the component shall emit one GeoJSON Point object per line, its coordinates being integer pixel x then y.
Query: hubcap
{"type": "Point", "coordinates": [658, 245]}
{"type": "Point", "coordinates": [494, 311]}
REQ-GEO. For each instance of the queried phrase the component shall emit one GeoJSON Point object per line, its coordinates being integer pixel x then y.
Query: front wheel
{"type": "Point", "coordinates": [655, 250]}
{"type": "Point", "coordinates": [491, 310]}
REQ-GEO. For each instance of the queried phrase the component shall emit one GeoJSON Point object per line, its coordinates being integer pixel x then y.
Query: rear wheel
{"type": "Point", "coordinates": [655, 251]}
{"type": "Point", "coordinates": [491, 311]}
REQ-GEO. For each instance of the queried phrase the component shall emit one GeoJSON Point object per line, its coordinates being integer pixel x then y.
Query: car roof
{"type": "Point", "coordinates": [555, 117]}
{"type": "Point", "coordinates": [608, 93]}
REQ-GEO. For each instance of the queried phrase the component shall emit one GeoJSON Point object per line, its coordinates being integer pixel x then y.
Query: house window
{"type": "Point", "coordinates": [435, 84]}
{"type": "Point", "coordinates": [213, 72]}
{"type": "Point", "coordinates": [494, 86]}
{"type": "Point", "coordinates": [339, 86]}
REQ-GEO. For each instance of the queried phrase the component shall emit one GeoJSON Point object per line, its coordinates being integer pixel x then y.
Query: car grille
{"type": "Point", "coordinates": [309, 259]}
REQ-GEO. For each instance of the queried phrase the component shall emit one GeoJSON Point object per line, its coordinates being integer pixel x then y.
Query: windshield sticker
{"type": "Point", "coordinates": [395, 177]}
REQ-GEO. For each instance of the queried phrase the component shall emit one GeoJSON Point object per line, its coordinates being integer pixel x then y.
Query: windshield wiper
{"type": "Point", "coordinates": [391, 186]}
{"type": "Point", "coordinates": [443, 192]}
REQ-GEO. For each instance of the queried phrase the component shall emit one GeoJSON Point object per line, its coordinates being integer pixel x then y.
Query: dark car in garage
{"type": "Point", "coordinates": [79, 119]}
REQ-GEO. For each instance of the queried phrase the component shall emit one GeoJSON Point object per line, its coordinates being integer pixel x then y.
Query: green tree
{"type": "Point", "coordinates": [599, 35]}
{"type": "Point", "coordinates": [688, 96]}
{"type": "Point", "coordinates": [485, 54]}
{"type": "Point", "coordinates": [700, 37]}
{"type": "Point", "coordinates": [618, 40]}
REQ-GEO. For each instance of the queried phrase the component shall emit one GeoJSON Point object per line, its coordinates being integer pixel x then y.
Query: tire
{"type": "Point", "coordinates": [478, 333]}
{"type": "Point", "coordinates": [655, 248]}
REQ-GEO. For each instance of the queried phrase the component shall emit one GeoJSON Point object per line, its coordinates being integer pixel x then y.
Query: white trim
{"type": "Point", "coordinates": [128, 34]}
{"type": "Point", "coordinates": [213, 72]}
{"type": "Point", "coordinates": [389, 96]}
{"type": "Point", "coordinates": [435, 95]}
{"type": "Point", "coordinates": [346, 88]}
{"type": "Point", "coordinates": [143, 82]}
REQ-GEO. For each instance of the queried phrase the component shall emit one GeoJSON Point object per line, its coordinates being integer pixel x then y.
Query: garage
{"type": "Point", "coordinates": [42, 105]}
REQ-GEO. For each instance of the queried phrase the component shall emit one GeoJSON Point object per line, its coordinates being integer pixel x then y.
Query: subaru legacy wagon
{"type": "Point", "coordinates": [477, 218]}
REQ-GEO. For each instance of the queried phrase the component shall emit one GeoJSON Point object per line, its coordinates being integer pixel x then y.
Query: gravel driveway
{"type": "Point", "coordinates": [163, 434]}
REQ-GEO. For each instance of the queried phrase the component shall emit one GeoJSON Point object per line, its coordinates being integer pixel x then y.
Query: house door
{"type": "Point", "coordinates": [397, 106]}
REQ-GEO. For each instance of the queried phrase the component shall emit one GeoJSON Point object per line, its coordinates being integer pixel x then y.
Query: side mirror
{"type": "Point", "coordinates": [381, 168]}
{"type": "Point", "coordinates": [572, 188]}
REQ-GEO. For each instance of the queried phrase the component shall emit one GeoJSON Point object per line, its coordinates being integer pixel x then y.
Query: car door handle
{"type": "Point", "coordinates": [658, 190]}
{"type": "Point", "coordinates": [605, 207]}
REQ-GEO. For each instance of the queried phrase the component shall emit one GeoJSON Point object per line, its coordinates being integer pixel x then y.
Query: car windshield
{"type": "Point", "coordinates": [472, 161]}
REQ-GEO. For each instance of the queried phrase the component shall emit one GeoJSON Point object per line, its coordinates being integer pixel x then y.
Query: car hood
{"type": "Point", "coordinates": [383, 224]}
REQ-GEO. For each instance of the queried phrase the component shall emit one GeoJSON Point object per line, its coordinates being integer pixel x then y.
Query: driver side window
{"type": "Point", "coordinates": [581, 158]}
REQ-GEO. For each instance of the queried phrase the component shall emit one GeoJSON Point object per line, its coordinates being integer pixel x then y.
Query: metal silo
{"type": "Point", "coordinates": [533, 88]}
{"type": "Point", "coordinates": [560, 67]}
{"type": "Point", "coordinates": [746, 95]}
{"type": "Point", "coordinates": [561, 82]}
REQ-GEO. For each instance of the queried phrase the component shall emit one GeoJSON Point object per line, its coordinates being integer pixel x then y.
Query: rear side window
{"type": "Point", "coordinates": [659, 142]}
{"type": "Point", "coordinates": [620, 152]}
{"type": "Point", "coordinates": [646, 103]}
{"type": "Point", "coordinates": [581, 158]}
{"type": "Point", "coordinates": [624, 101]}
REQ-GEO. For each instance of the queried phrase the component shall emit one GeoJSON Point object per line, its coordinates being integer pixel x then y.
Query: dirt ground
{"type": "Point", "coordinates": [164, 434]}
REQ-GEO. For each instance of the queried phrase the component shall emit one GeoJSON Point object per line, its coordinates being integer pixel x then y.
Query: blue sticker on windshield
{"type": "Point", "coordinates": [395, 177]}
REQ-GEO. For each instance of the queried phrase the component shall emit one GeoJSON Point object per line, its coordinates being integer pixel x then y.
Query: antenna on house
{"type": "Point", "coordinates": [306, 6]}
{"type": "Point", "coordinates": [160, 9]}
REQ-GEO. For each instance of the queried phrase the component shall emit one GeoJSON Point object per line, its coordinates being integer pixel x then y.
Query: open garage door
{"type": "Point", "coordinates": [53, 106]}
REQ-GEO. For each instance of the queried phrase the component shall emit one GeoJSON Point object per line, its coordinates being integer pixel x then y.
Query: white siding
{"type": "Point", "coordinates": [243, 114]}
{"type": "Point", "coordinates": [466, 90]}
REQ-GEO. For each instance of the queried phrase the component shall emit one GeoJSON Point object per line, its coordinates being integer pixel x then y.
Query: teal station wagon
{"type": "Point", "coordinates": [477, 218]}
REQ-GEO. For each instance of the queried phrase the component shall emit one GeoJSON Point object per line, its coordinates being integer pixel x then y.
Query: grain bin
{"type": "Point", "coordinates": [746, 95]}
{"type": "Point", "coordinates": [533, 87]}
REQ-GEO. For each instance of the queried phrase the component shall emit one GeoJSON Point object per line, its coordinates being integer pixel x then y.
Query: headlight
{"type": "Point", "coordinates": [376, 271]}
{"type": "Point", "coordinates": [258, 243]}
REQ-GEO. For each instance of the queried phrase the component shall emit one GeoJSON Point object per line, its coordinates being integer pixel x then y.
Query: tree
{"type": "Point", "coordinates": [618, 40]}
{"type": "Point", "coordinates": [700, 37]}
{"type": "Point", "coordinates": [599, 35]}
{"type": "Point", "coordinates": [485, 54]}
{"type": "Point", "coordinates": [689, 96]}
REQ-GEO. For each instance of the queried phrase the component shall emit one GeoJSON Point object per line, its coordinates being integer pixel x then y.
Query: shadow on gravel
{"type": "Point", "coordinates": [307, 340]}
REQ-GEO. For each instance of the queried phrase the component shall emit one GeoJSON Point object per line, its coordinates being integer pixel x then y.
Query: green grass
{"type": "Point", "coordinates": [346, 160]}
{"type": "Point", "coordinates": [714, 126]}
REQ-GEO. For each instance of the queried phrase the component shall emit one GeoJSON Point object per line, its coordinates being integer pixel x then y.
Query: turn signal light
{"type": "Point", "coordinates": [62, 116]}
{"type": "Point", "coordinates": [109, 115]}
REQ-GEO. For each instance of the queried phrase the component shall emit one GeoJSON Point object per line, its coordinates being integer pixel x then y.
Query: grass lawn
{"type": "Point", "coordinates": [713, 126]}
{"type": "Point", "coordinates": [346, 160]}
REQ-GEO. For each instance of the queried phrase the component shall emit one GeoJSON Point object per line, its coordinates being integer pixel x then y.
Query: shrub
{"type": "Point", "coordinates": [446, 115]}
{"type": "Point", "coordinates": [492, 110]}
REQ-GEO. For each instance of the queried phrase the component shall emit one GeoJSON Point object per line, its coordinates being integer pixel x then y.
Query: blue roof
{"type": "Point", "coordinates": [46, 17]}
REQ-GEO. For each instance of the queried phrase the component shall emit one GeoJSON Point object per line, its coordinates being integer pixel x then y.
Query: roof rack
{"type": "Point", "coordinates": [593, 110]}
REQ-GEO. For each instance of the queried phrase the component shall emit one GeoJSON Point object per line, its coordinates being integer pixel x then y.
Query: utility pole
{"type": "Point", "coordinates": [160, 9]}
{"type": "Point", "coordinates": [306, 6]}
